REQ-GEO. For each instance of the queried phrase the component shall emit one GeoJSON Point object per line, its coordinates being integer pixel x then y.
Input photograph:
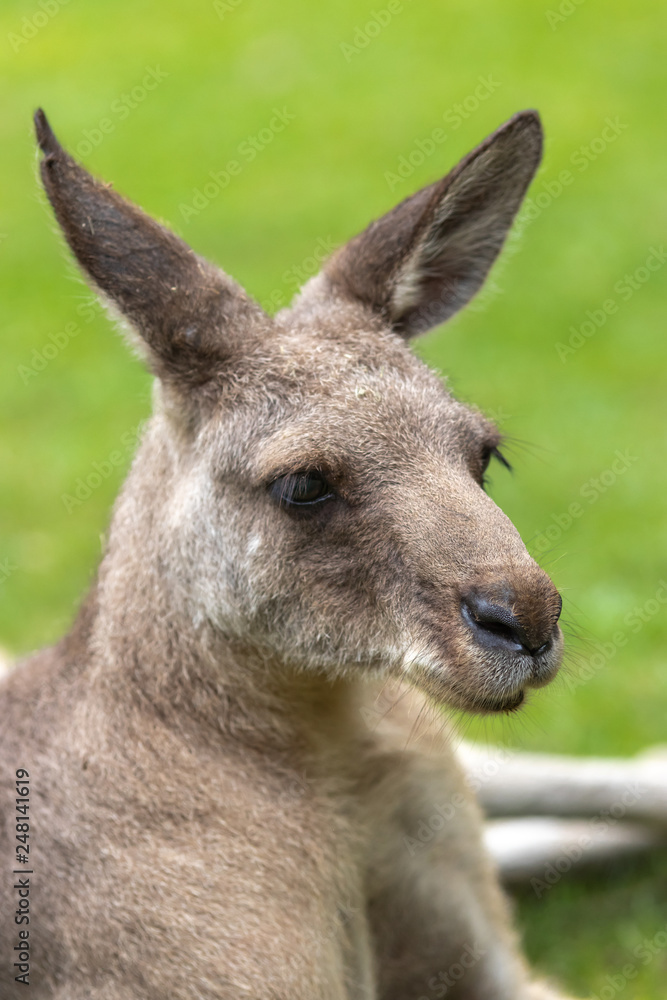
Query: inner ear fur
{"type": "Point", "coordinates": [423, 260]}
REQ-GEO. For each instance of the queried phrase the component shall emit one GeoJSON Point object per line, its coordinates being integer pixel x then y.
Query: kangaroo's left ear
{"type": "Point", "coordinates": [421, 262]}
{"type": "Point", "coordinates": [191, 318]}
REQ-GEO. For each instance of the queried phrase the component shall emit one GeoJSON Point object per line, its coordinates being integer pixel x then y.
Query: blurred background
{"type": "Point", "coordinates": [333, 113]}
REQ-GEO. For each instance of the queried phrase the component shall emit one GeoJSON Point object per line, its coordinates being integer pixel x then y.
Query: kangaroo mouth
{"type": "Point", "coordinates": [499, 706]}
{"type": "Point", "coordinates": [483, 649]}
{"type": "Point", "coordinates": [493, 684]}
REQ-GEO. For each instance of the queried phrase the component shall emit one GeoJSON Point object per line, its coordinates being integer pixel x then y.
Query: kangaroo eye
{"type": "Point", "coordinates": [301, 489]}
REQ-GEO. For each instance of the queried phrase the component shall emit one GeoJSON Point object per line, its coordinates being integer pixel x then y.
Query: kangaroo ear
{"type": "Point", "coordinates": [426, 258]}
{"type": "Point", "coordinates": [189, 315]}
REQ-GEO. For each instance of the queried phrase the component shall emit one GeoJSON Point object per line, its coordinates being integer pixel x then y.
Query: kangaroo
{"type": "Point", "coordinates": [215, 763]}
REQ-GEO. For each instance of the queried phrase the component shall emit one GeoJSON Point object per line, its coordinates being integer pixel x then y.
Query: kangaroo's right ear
{"type": "Point", "coordinates": [190, 316]}
{"type": "Point", "coordinates": [426, 258]}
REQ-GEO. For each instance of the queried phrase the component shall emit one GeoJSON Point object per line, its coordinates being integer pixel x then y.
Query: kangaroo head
{"type": "Point", "coordinates": [307, 488]}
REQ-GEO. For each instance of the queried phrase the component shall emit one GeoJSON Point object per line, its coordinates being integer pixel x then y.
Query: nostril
{"type": "Point", "coordinates": [496, 626]}
{"type": "Point", "coordinates": [491, 621]}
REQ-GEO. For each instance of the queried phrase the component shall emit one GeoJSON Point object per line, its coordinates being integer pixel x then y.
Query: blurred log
{"type": "Point", "coordinates": [524, 784]}
{"type": "Point", "coordinates": [543, 849]}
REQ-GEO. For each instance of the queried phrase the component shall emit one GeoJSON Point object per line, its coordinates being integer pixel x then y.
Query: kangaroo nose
{"type": "Point", "coordinates": [495, 626]}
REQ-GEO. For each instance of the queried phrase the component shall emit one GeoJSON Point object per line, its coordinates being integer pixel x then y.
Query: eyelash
{"type": "Point", "coordinates": [487, 455]}
{"type": "Point", "coordinates": [285, 489]}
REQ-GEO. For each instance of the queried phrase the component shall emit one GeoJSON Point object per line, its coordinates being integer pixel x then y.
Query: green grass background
{"type": "Point", "coordinates": [356, 112]}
